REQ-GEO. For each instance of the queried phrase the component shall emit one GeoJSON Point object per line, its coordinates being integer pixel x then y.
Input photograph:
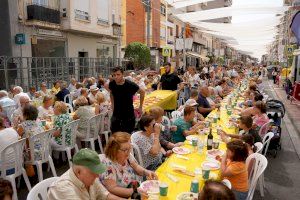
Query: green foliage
{"type": "Point", "coordinates": [138, 54]}
{"type": "Point", "coordinates": [220, 61]}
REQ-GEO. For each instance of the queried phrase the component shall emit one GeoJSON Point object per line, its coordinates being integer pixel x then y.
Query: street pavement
{"type": "Point", "coordinates": [282, 176]}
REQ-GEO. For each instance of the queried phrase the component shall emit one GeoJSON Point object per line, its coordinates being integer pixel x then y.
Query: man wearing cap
{"type": "Point", "coordinates": [92, 95]}
{"type": "Point", "coordinates": [81, 181]}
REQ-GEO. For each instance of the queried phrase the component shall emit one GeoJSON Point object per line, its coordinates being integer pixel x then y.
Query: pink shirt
{"type": "Point", "coordinates": [260, 120]}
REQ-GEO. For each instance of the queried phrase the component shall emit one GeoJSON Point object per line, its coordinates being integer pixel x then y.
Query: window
{"type": "Point", "coordinates": [177, 31]}
{"type": "Point", "coordinates": [103, 12]}
{"type": "Point", "coordinates": [170, 30]}
{"type": "Point", "coordinates": [82, 8]}
{"type": "Point", "coordinates": [40, 2]}
{"type": "Point", "coordinates": [163, 33]}
{"type": "Point", "coordinates": [163, 9]}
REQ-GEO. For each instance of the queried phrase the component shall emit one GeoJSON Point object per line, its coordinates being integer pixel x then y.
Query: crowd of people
{"type": "Point", "coordinates": [113, 175]}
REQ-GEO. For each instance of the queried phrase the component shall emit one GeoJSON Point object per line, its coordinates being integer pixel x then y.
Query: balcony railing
{"type": "Point", "coordinates": [43, 13]}
{"type": "Point", "coordinates": [82, 15]}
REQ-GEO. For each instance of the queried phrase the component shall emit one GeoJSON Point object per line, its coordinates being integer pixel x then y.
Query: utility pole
{"type": "Point", "coordinates": [147, 4]}
{"type": "Point", "coordinates": [184, 49]}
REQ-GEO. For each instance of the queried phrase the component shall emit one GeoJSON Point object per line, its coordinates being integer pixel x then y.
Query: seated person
{"type": "Point", "coordinates": [121, 167]}
{"type": "Point", "coordinates": [56, 87]}
{"type": "Point", "coordinates": [44, 91]}
{"type": "Point", "coordinates": [81, 181]}
{"type": "Point", "coordinates": [30, 127]}
{"type": "Point", "coordinates": [233, 168]}
{"type": "Point", "coordinates": [165, 135]}
{"type": "Point", "coordinates": [249, 103]}
{"type": "Point", "coordinates": [46, 110]}
{"type": "Point", "coordinates": [204, 107]}
{"type": "Point", "coordinates": [17, 116]}
{"type": "Point", "coordinates": [193, 96]}
{"type": "Point", "coordinates": [245, 123]}
{"type": "Point", "coordinates": [84, 112]}
{"type": "Point", "coordinates": [148, 142]}
{"type": "Point", "coordinates": [6, 190]}
{"type": "Point", "coordinates": [32, 93]}
{"type": "Point", "coordinates": [185, 125]}
{"type": "Point", "coordinates": [94, 90]}
{"type": "Point", "coordinates": [60, 96]}
{"type": "Point", "coordinates": [62, 118]}
{"type": "Point", "coordinates": [101, 105]}
{"type": "Point", "coordinates": [260, 118]}
{"type": "Point", "coordinates": [220, 89]}
{"type": "Point", "coordinates": [215, 190]}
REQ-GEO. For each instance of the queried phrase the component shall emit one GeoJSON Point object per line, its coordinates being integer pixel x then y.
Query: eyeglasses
{"type": "Point", "coordinates": [127, 150]}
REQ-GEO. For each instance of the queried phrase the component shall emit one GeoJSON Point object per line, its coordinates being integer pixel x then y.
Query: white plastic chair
{"type": "Point", "coordinates": [106, 130]}
{"type": "Point", "coordinates": [176, 114]}
{"type": "Point", "coordinates": [9, 110]}
{"type": "Point", "coordinates": [266, 142]}
{"type": "Point", "coordinates": [15, 162]}
{"type": "Point", "coordinates": [259, 165]}
{"type": "Point", "coordinates": [136, 152]}
{"type": "Point", "coordinates": [92, 133]}
{"type": "Point", "coordinates": [72, 126]}
{"type": "Point", "coordinates": [259, 147]}
{"type": "Point", "coordinates": [40, 190]}
{"type": "Point", "coordinates": [166, 120]}
{"type": "Point", "coordinates": [68, 99]}
{"type": "Point", "coordinates": [264, 129]}
{"type": "Point", "coordinates": [227, 183]}
{"type": "Point", "coordinates": [44, 140]}
{"type": "Point", "coordinates": [70, 108]}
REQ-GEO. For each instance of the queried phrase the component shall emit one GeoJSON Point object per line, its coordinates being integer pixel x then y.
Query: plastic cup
{"type": "Point", "coordinates": [229, 112]}
{"type": "Point", "coordinates": [200, 147]}
{"type": "Point", "coordinates": [215, 119]}
{"type": "Point", "coordinates": [205, 173]}
{"type": "Point", "coordinates": [43, 122]}
{"type": "Point", "coordinates": [207, 124]}
{"type": "Point", "coordinates": [194, 142]}
{"type": "Point", "coordinates": [215, 145]}
{"type": "Point", "coordinates": [195, 186]}
{"type": "Point", "coordinates": [163, 189]}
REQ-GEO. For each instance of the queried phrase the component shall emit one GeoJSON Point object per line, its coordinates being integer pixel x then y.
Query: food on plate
{"type": "Point", "coordinates": [187, 196]}
{"type": "Point", "coordinates": [212, 165]}
{"type": "Point", "coordinates": [181, 150]}
{"type": "Point", "coordinates": [215, 152]}
{"type": "Point", "coordinates": [150, 186]}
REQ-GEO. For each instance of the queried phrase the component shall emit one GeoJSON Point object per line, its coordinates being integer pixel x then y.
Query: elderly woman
{"type": "Point", "coordinates": [84, 113]}
{"type": "Point", "coordinates": [44, 91]}
{"type": "Point", "coordinates": [30, 127]}
{"type": "Point", "coordinates": [100, 105]}
{"type": "Point", "coordinates": [63, 92]}
{"type": "Point", "coordinates": [62, 118]}
{"type": "Point", "coordinates": [56, 87]}
{"type": "Point", "coordinates": [148, 142]}
{"type": "Point", "coordinates": [46, 110]}
{"type": "Point", "coordinates": [122, 169]}
{"type": "Point", "coordinates": [165, 136]}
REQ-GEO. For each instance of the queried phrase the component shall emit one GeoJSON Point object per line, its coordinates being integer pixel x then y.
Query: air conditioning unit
{"type": "Point", "coordinates": [64, 12]}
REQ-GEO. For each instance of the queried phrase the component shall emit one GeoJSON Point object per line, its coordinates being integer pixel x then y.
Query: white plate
{"type": "Point", "coordinates": [186, 196]}
{"type": "Point", "coordinates": [181, 150]}
{"type": "Point", "coordinates": [150, 186]}
{"type": "Point", "coordinates": [215, 152]}
{"type": "Point", "coordinates": [212, 165]}
{"type": "Point", "coordinates": [191, 137]}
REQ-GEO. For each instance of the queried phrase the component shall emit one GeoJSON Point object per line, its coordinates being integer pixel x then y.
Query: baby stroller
{"type": "Point", "coordinates": [275, 112]}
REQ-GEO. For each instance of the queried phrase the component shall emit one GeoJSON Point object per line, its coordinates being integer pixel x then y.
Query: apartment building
{"type": "Point", "coordinates": [61, 28]}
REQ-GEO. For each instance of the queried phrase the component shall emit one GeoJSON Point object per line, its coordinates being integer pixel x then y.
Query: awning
{"type": "Point", "coordinates": [197, 55]}
{"type": "Point", "coordinates": [296, 52]}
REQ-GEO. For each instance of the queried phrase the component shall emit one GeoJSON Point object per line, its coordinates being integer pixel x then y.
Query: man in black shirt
{"type": "Point", "coordinates": [121, 96]}
{"type": "Point", "coordinates": [169, 81]}
{"type": "Point", "coordinates": [60, 96]}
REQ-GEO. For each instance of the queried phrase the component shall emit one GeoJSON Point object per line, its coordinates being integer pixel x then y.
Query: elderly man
{"type": "Point", "coordinates": [18, 92]}
{"type": "Point", "coordinates": [63, 92]}
{"type": "Point", "coordinates": [93, 92]}
{"type": "Point", "coordinates": [81, 181]}
{"type": "Point", "coordinates": [204, 106]}
{"type": "Point", "coordinates": [17, 115]}
{"type": "Point", "coordinates": [5, 100]}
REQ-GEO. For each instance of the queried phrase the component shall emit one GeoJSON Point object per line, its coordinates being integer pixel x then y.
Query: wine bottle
{"type": "Point", "coordinates": [210, 138]}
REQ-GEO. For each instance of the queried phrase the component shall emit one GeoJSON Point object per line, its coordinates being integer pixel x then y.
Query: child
{"type": "Point", "coordinates": [233, 167]}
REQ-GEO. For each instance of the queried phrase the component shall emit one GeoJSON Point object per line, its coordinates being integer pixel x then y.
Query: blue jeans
{"type": "Point", "coordinates": [240, 195]}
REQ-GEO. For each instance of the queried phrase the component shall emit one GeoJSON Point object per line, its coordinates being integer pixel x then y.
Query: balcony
{"type": "Point", "coordinates": [43, 14]}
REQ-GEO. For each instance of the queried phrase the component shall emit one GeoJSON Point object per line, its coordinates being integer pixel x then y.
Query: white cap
{"type": "Point", "coordinates": [191, 102]}
{"type": "Point", "coordinates": [94, 87]}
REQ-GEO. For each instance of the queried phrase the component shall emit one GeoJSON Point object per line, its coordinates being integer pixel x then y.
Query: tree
{"type": "Point", "coordinates": [138, 54]}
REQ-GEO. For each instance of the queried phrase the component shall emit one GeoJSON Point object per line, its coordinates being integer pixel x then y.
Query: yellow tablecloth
{"type": "Point", "coordinates": [166, 99]}
{"type": "Point", "coordinates": [195, 161]}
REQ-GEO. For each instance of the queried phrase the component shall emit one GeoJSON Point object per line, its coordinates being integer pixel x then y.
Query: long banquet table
{"type": "Point", "coordinates": [195, 159]}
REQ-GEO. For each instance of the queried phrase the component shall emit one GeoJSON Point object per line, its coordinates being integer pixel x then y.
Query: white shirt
{"type": "Point", "coordinates": [71, 87]}
{"type": "Point", "coordinates": [194, 80]}
{"type": "Point", "coordinates": [69, 187]}
{"type": "Point", "coordinates": [44, 112]}
{"type": "Point", "coordinates": [18, 96]}
{"type": "Point", "coordinates": [218, 90]}
{"type": "Point", "coordinates": [205, 70]}
{"type": "Point", "coordinates": [7, 137]}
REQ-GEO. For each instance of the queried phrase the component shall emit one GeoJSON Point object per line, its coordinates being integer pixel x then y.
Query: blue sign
{"type": "Point", "coordinates": [20, 38]}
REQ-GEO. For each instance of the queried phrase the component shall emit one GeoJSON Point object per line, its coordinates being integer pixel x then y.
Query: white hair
{"type": "Point", "coordinates": [18, 88]}
{"type": "Point", "coordinates": [3, 93]}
